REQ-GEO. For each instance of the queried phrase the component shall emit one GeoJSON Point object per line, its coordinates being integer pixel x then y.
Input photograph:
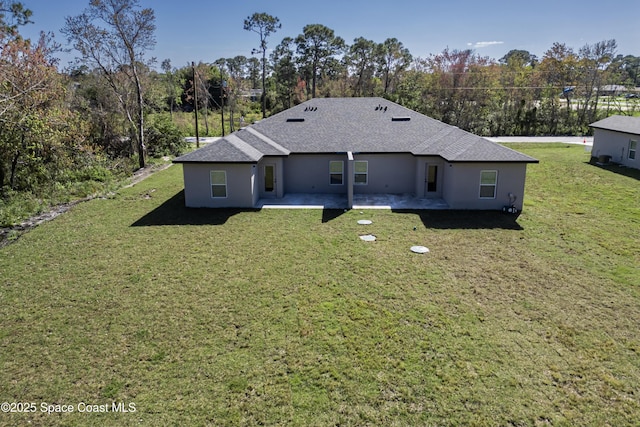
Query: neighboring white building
{"type": "Point", "coordinates": [617, 138]}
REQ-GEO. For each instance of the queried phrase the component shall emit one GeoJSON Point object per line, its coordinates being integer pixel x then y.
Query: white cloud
{"type": "Point", "coordinates": [478, 45]}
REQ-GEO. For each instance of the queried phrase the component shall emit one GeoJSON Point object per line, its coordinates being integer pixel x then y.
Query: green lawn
{"type": "Point", "coordinates": [285, 317]}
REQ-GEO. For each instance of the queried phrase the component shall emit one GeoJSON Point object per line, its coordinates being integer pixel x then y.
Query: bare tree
{"type": "Point", "coordinates": [594, 61]}
{"type": "Point", "coordinates": [113, 35]}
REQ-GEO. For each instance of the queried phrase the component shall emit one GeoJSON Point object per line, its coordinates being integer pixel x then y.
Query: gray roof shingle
{"type": "Point", "coordinates": [230, 149]}
{"type": "Point", "coordinates": [359, 125]}
{"type": "Point", "coordinates": [626, 124]}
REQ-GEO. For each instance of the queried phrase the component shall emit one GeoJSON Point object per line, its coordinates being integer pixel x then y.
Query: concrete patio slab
{"type": "Point", "coordinates": [360, 201]}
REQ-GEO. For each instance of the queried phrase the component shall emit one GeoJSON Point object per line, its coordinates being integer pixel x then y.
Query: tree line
{"type": "Point", "coordinates": [69, 131]}
{"type": "Point", "coordinates": [519, 94]}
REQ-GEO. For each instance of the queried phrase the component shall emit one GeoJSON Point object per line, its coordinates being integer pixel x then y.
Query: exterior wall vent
{"type": "Point", "coordinates": [400, 119]}
{"type": "Point", "coordinates": [295, 119]}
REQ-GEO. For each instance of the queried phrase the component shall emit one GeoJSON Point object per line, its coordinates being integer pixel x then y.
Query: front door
{"type": "Point", "coordinates": [269, 180]}
{"type": "Point", "coordinates": [432, 185]}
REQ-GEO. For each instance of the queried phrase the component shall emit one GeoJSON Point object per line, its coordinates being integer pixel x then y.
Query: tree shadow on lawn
{"type": "Point", "coordinates": [174, 212]}
{"type": "Point", "coordinates": [465, 219]}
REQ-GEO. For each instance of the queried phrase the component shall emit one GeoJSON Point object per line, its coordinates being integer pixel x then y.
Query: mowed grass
{"type": "Point", "coordinates": [285, 317]}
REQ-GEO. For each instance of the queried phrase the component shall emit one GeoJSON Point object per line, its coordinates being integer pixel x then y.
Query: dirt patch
{"type": "Point", "coordinates": [9, 235]}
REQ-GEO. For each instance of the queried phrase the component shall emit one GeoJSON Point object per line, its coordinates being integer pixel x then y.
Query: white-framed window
{"type": "Point", "coordinates": [488, 184]}
{"type": "Point", "coordinates": [218, 184]}
{"type": "Point", "coordinates": [361, 172]}
{"type": "Point", "coordinates": [633, 146]}
{"type": "Point", "coordinates": [336, 172]}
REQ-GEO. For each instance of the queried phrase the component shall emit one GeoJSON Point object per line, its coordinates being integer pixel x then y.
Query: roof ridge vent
{"type": "Point", "coordinates": [400, 118]}
{"type": "Point", "coordinates": [295, 119]}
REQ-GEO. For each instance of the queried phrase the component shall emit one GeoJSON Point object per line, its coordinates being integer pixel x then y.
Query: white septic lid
{"type": "Point", "coordinates": [368, 238]}
{"type": "Point", "coordinates": [364, 221]}
{"type": "Point", "coordinates": [419, 249]}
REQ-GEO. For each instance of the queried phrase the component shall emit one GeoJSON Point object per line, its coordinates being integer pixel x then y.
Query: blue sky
{"type": "Point", "coordinates": [205, 30]}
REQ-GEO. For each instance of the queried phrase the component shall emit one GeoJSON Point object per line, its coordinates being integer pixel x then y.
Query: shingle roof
{"type": "Point", "coordinates": [359, 125]}
{"type": "Point", "coordinates": [230, 149]}
{"type": "Point", "coordinates": [626, 124]}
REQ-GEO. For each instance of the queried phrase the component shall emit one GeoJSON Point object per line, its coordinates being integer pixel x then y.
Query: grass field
{"type": "Point", "coordinates": [285, 317]}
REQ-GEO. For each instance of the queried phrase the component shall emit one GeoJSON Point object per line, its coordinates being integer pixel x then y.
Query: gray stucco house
{"type": "Point", "coordinates": [617, 137]}
{"type": "Point", "coordinates": [353, 147]}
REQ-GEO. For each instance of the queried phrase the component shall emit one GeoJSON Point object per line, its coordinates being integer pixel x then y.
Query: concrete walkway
{"type": "Point", "coordinates": [360, 201]}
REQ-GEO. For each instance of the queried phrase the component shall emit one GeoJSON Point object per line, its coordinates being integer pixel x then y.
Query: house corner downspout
{"type": "Point", "coordinates": [350, 178]}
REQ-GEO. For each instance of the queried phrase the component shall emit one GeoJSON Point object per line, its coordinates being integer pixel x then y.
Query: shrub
{"type": "Point", "coordinates": [164, 138]}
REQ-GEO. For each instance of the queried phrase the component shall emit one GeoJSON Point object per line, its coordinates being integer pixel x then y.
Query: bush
{"type": "Point", "coordinates": [164, 138]}
{"type": "Point", "coordinates": [16, 206]}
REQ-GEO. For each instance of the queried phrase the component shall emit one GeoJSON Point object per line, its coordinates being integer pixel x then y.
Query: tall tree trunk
{"type": "Point", "coordinates": [141, 146]}
{"type": "Point", "coordinates": [314, 71]}
{"type": "Point", "coordinates": [264, 88]}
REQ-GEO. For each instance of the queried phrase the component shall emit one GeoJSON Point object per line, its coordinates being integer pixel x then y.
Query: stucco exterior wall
{"type": "Point", "coordinates": [461, 186]}
{"type": "Point", "coordinates": [387, 173]}
{"type": "Point", "coordinates": [309, 173]}
{"type": "Point", "coordinates": [459, 183]}
{"type": "Point", "coordinates": [241, 185]}
{"type": "Point", "coordinates": [616, 145]}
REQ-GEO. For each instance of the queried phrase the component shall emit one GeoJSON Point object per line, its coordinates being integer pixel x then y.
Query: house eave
{"type": "Point", "coordinates": [615, 130]}
{"type": "Point", "coordinates": [207, 162]}
{"type": "Point", "coordinates": [494, 161]}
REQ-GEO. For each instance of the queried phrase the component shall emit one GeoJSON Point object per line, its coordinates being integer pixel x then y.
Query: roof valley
{"type": "Point", "coordinates": [247, 149]}
{"type": "Point", "coordinates": [268, 140]}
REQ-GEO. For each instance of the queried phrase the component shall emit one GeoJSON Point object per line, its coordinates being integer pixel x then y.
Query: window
{"type": "Point", "coordinates": [336, 172]}
{"type": "Point", "coordinates": [488, 183]}
{"type": "Point", "coordinates": [632, 149]}
{"type": "Point", "coordinates": [218, 184]}
{"type": "Point", "coordinates": [361, 172]}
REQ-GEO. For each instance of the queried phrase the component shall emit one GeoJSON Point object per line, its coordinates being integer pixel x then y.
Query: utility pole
{"type": "Point", "coordinates": [195, 98]}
